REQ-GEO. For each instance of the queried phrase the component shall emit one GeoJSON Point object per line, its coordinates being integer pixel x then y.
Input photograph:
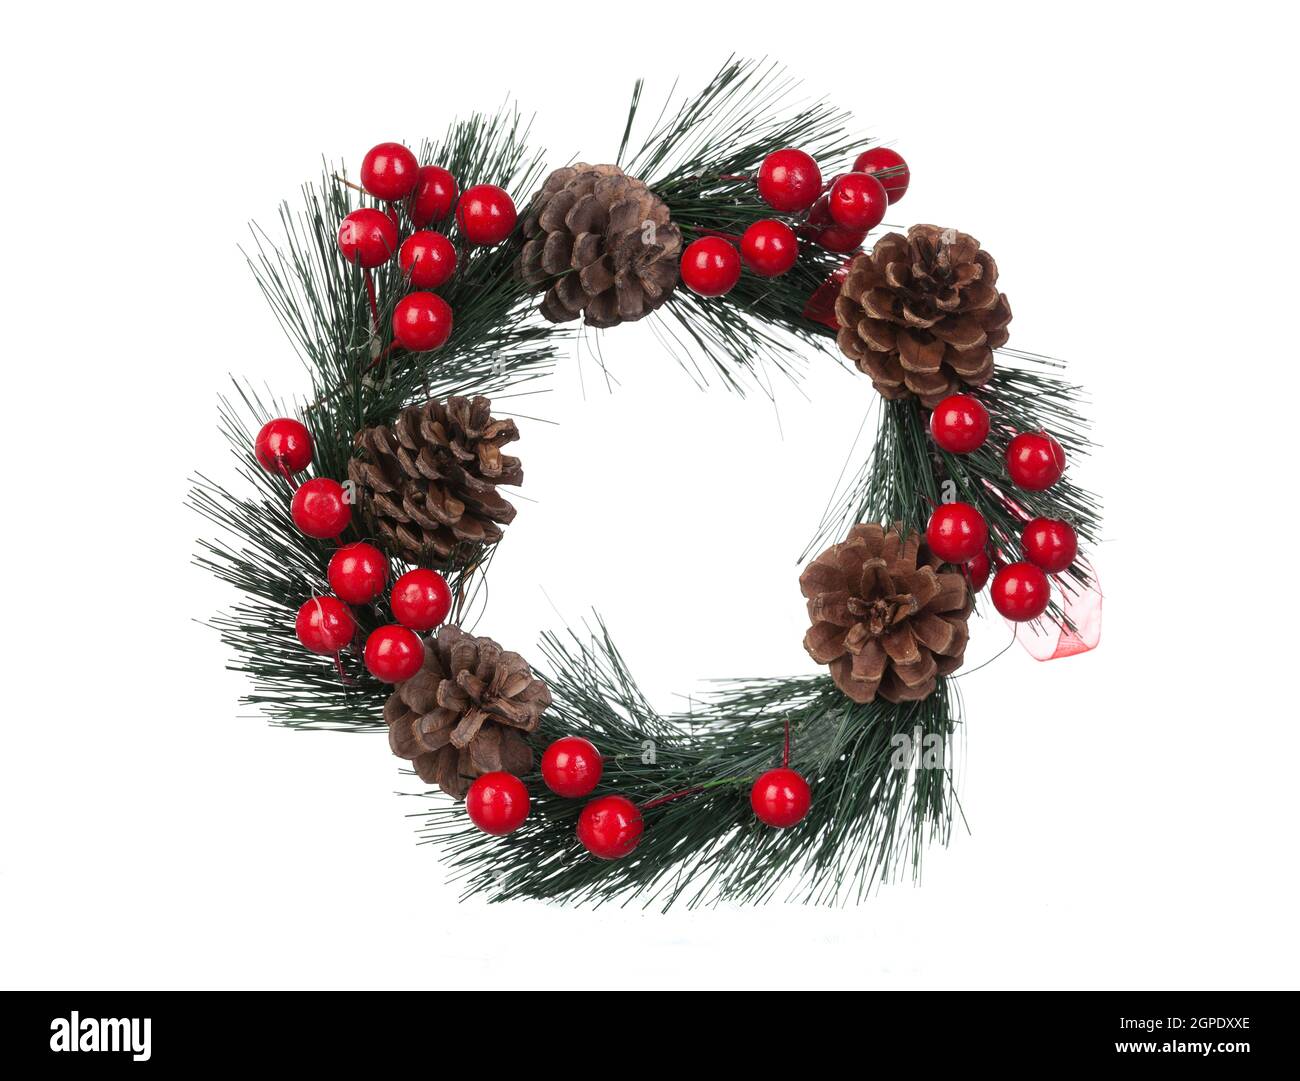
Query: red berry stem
{"type": "Point", "coordinates": [659, 801]}
{"type": "Point", "coordinates": [721, 782]}
{"type": "Point", "coordinates": [285, 473]}
{"type": "Point", "coordinates": [384, 355]}
{"type": "Point", "coordinates": [344, 678]}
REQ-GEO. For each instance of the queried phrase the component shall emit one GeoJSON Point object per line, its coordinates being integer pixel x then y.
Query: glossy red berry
{"type": "Point", "coordinates": [434, 195]}
{"type": "Point", "coordinates": [838, 239]}
{"type": "Point", "coordinates": [780, 797]}
{"type": "Point", "coordinates": [283, 446]}
{"type": "Point", "coordinates": [857, 201]}
{"type": "Point", "coordinates": [610, 827]}
{"type": "Point", "coordinates": [769, 247]}
{"type": "Point", "coordinates": [428, 258]}
{"type": "Point", "coordinates": [789, 180]}
{"type": "Point", "coordinates": [710, 266]}
{"type": "Point", "coordinates": [325, 625]}
{"type": "Point", "coordinates": [571, 767]}
{"type": "Point", "coordinates": [824, 231]}
{"type": "Point", "coordinates": [485, 214]}
{"type": "Point", "coordinates": [1049, 544]}
{"type": "Point", "coordinates": [977, 571]}
{"type": "Point", "coordinates": [389, 171]}
{"type": "Point", "coordinates": [421, 321]}
{"type": "Point", "coordinates": [497, 803]}
{"type": "Point", "coordinates": [957, 532]}
{"type": "Point", "coordinates": [358, 573]}
{"type": "Point", "coordinates": [320, 509]}
{"type": "Point", "coordinates": [1020, 591]}
{"type": "Point", "coordinates": [421, 599]}
{"type": "Point", "coordinates": [890, 168]}
{"type": "Point", "coordinates": [394, 653]}
{"type": "Point", "coordinates": [1035, 461]}
{"type": "Point", "coordinates": [368, 237]}
{"type": "Point", "coordinates": [959, 424]}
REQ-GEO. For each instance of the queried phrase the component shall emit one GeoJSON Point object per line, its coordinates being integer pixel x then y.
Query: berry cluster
{"type": "Point", "coordinates": [320, 506]}
{"type": "Point", "coordinates": [837, 217]}
{"type": "Point", "coordinates": [420, 599]}
{"type": "Point", "coordinates": [610, 827]}
{"type": "Point", "coordinates": [422, 321]}
{"type": "Point", "coordinates": [485, 215]}
{"type": "Point", "coordinates": [957, 532]}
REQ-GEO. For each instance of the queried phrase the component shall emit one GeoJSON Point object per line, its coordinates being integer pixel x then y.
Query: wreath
{"type": "Point", "coordinates": [372, 507]}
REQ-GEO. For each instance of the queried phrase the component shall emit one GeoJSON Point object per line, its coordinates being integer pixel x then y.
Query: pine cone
{"type": "Point", "coordinates": [884, 622]}
{"type": "Point", "coordinates": [429, 482]}
{"type": "Point", "coordinates": [601, 243]}
{"type": "Point", "coordinates": [463, 714]}
{"type": "Point", "coordinates": [921, 314]}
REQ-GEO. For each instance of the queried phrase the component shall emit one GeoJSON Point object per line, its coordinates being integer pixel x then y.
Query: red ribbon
{"type": "Point", "coordinates": [1050, 642]}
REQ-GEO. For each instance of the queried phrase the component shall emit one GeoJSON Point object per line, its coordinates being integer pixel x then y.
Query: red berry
{"type": "Point", "coordinates": [358, 573]}
{"type": "Point", "coordinates": [610, 827]}
{"type": "Point", "coordinates": [497, 803]}
{"type": "Point", "coordinates": [838, 239]}
{"type": "Point", "coordinates": [571, 767]}
{"type": "Point", "coordinates": [828, 234]}
{"type": "Point", "coordinates": [710, 266]}
{"type": "Point", "coordinates": [434, 195]}
{"type": "Point", "coordinates": [421, 599]}
{"type": "Point", "coordinates": [780, 797]}
{"type": "Point", "coordinates": [1049, 544]}
{"type": "Point", "coordinates": [421, 321]}
{"type": "Point", "coordinates": [857, 201]}
{"type": "Point", "coordinates": [283, 446]}
{"type": "Point", "coordinates": [428, 258]}
{"type": "Point", "coordinates": [389, 171]}
{"type": "Point", "coordinates": [1020, 591]}
{"type": "Point", "coordinates": [959, 424]}
{"type": "Point", "coordinates": [1035, 461]}
{"type": "Point", "coordinates": [789, 180]}
{"type": "Point", "coordinates": [320, 508]}
{"type": "Point", "coordinates": [891, 170]}
{"type": "Point", "coordinates": [325, 625]}
{"type": "Point", "coordinates": [769, 247]}
{"type": "Point", "coordinates": [485, 214]}
{"type": "Point", "coordinates": [977, 571]}
{"type": "Point", "coordinates": [368, 237]}
{"type": "Point", "coordinates": [394, 653]}
{"type": "Point", "coordinates": [957, 532]}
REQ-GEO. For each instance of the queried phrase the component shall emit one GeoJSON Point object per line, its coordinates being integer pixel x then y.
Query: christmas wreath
{"type": "Point", "coordinates": [373, 507]}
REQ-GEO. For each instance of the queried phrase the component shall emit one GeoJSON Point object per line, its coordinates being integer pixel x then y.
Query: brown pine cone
{"type": "Point", "coordinates": [429, 483]}
{"type": "Point", "coordinates": [885, 623]}
{"type": "Point", "coordinates": [464, 713]}
{"type": "Point", "coordinates": [921, 314]}
{"type": "Point", "coordinates": [601, 244]}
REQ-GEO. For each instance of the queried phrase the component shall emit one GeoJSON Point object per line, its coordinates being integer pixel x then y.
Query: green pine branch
{"type": "Point", "coordinates": [321, 303]}
{"type": "Point", "coordinates": [870, 819]}
{"type": "Point", "coordinates": [701, 156]}
{"type": "Point", "coordinates": [905, 475]}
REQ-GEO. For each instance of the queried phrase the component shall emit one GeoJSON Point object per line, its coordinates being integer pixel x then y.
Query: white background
{"type": "Point", "coordinates": [1132, 811]}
